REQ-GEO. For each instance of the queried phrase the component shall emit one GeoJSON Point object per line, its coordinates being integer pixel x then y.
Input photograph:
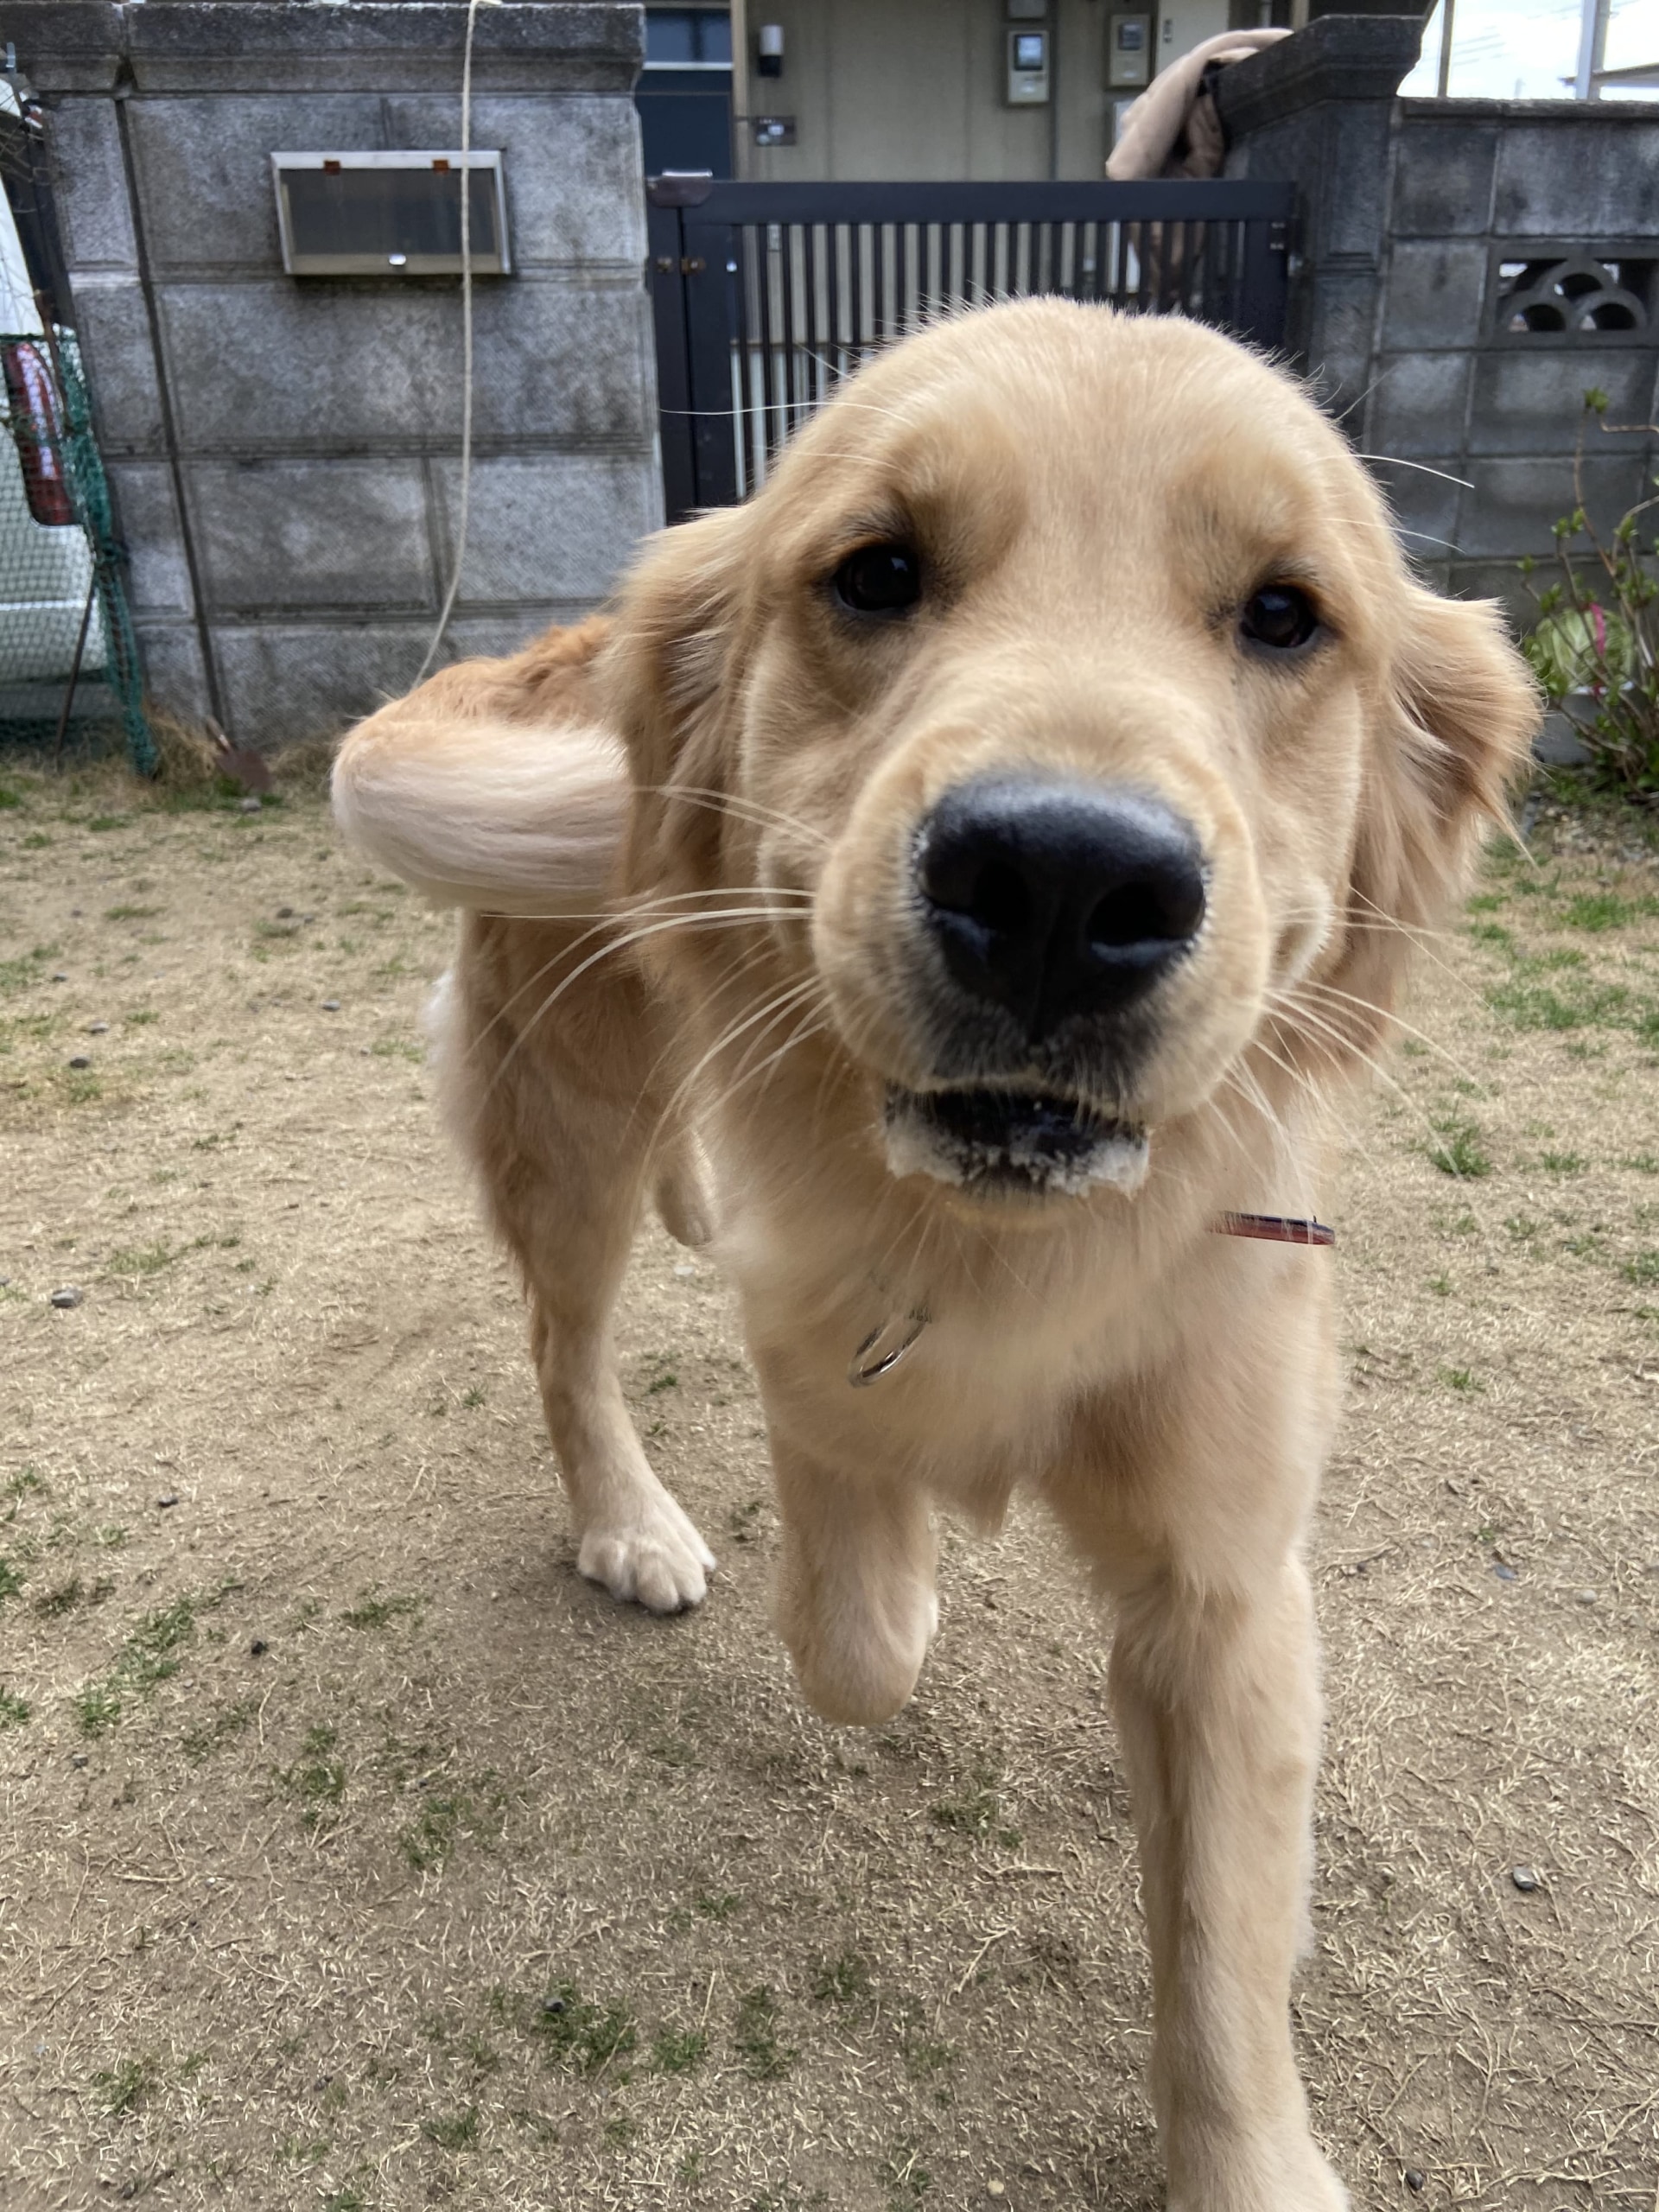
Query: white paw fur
{"type": "Point", "coordinates": [653, 1556]}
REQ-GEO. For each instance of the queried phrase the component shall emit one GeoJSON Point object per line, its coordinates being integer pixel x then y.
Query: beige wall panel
{"type": "Point", "coordinates": [903, 87]}
{"type": "Point", "coordinates": [908, 89]}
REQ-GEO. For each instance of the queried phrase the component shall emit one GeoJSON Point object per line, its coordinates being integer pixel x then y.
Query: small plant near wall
{"type": "Point", "coordinates": [1595, 650]}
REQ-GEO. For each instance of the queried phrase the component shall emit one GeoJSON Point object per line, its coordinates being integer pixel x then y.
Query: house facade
{"type": "Point", "coordinates": [908, 90]}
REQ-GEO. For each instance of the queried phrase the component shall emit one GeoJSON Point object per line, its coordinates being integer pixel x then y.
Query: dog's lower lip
{"type": "Point", "coordinates": [1032, 1143]}
{"type": "Point", "coordinates": [1036, 1121]}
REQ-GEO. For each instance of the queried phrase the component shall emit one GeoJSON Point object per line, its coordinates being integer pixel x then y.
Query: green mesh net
{"type": "Point", "coordinates": [69, 670]}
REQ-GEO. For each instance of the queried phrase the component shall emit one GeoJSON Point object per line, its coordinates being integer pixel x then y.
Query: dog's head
{"type": "Point", "coordinates": [1066, 676]}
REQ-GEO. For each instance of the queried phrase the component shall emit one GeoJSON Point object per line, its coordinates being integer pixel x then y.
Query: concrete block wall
{"type": "Point", "coordinates": [1417, 218]}
{"type": "Point", "coordinates": [284, 453]}
{"type": "Point", "coordinates": [1477, 189]}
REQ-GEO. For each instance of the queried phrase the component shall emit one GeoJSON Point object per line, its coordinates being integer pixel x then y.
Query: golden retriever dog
{"type": "Point", "coordinates": [958, 882]}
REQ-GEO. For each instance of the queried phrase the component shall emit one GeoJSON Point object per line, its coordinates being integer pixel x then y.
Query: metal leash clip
{"type": "Point", "coordinates": [863, 1369]}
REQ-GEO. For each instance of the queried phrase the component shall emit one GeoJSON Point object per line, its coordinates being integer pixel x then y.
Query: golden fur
{"type": "Point", "coordinates": [729, 992]}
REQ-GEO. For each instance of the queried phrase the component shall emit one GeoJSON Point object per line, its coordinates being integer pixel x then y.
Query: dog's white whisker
{"type": "Point", "coordinates": [1392, 1019]}
{"type": "Point", "coordinates": [738, 917]}
{"type": "Point", "coordinates": [808, 1027]}
{"type": "Point", "coordinates": [1319, 1098]}
{"type": "Point", "coordinates": [1306, 1015]}
{"type": "Point", "coordinates": [739, 807]}
{"type": "Point", "coordinates": [768, 1010]}
{"type": "Point", "coordinates": [1397, 460]}
{"type": "Point", "coordinates": [615, 928]}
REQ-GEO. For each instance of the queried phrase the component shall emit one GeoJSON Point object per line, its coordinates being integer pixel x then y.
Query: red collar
{"type": "Point", "coordinates": [1274, 1229]}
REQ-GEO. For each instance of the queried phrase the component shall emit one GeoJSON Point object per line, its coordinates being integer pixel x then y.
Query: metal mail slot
{"type": "Point", "coordinates": [389, 214]}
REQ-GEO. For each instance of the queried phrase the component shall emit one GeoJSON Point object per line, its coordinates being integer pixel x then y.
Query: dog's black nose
{"type": "Point", "coordinates": [1055, 899]}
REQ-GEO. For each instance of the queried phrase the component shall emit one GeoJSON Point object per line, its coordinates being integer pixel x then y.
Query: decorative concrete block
{"type": "Point", "coordinates": [1516, 501]}
{"type": "Point", "coordinates": [571, 164]}
{"type": "Point", "coordinates": [147, 518]}
{"type": "Point", "coordinates": [286, 365]}
{"type": "Point", "coordinates": [567, 361]}
{"type": "Point", "coordinates": [1443, 173]}
{"type": "Point", "coordinates": [1584, 177]}
{"type": "Point", "coordinates": [272, 535]}
{"type": "Point", "coordinates": [492, 636]}
{"type": "Point", "coordinates": [113, 327]}
{"type": "Point", "coordinates": [1339, 334]}
{"type": "Point", "coordinates": [545, 526]}
{"type": "Point", "coordinates": [1420, 405]}
{"type": "Point", "coordinates": [89, 182]}
{"type": "Point", "coordinates": [1527, 402]}
{"type": "Point", "coordinates": [285, 681]}
{"type": "Point", "coordinates": [204, 169]}
{"type": "Point", "coordinates": [170, 656]}
{"type": "Point", "coordinates": [1436, 292]}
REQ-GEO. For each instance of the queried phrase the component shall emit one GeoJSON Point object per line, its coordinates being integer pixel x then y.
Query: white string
{"type": "Point", "coordinates": [449, 597]}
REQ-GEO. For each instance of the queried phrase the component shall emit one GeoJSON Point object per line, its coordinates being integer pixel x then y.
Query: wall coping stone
{"type": "Point", "coordinates": [242, 46]}
{"type": "Point", "coordinates": [1334, 58]}
{"type": "Point", "coordinates": [1585, 113]}
{"type": "Point", "coordinates": [68, 46]}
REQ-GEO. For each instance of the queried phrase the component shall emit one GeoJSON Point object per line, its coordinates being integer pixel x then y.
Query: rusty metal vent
{"type": "Point", "coordinates": [389, 214]}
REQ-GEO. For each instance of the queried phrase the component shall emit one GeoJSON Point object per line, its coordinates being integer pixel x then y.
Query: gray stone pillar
{"type": "Point", "coordinates": [1318, 109]}
{"type": "Point", "coordinates": [284, 452]}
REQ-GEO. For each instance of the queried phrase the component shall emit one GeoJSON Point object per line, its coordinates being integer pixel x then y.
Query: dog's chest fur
{"type": "Point", "coordinates": [1018, 1325]}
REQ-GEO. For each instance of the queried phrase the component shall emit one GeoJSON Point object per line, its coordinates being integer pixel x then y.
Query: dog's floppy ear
{"type": "Point", "coordinates": [1452, 732]}
{"type": "Point", "coordinates": [672, 671]}
{"type": "Point", "coordinates": [1469, 709]}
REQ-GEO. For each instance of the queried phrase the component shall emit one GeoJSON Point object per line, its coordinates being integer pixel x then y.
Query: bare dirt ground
{"type": "Point", "coordinates": [355, 1853]}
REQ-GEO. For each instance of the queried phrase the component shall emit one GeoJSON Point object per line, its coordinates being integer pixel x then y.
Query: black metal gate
{"type": "Point", "coordinates": [766, 295]}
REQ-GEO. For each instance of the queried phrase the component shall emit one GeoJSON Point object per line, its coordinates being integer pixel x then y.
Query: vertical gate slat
{"type": "Point", "coordinates": [813, 371]}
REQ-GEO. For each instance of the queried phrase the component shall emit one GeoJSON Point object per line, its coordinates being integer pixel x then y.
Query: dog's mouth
{"type": "Point", "coordinates": [1011, 1143]}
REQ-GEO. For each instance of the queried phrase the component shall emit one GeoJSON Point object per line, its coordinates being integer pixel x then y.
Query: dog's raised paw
{"type": "Point", "coordinates": [1302, 2182]}
{"type": "Point", "coordinates": [659, 1563]}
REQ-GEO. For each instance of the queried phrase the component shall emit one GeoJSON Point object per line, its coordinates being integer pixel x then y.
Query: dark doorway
{"type": "Point", "coordinates": [684, 97]}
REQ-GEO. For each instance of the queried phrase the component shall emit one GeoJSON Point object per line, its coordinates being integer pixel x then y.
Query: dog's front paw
{"type": "Point", "coordinates": [857, 1663]}
{"type": "Point", "coordinates": [653, 1556]}
{"type": "Point", "coordinates": [1299, 2180]}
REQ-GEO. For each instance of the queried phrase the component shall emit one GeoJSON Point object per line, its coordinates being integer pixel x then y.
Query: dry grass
{"type": "Point", "coordinates": [355, 1853]}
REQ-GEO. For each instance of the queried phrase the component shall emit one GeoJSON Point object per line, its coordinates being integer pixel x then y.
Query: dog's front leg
{"type": "Point", "coordinates": [855, 1603]}
{"type": "Point", "coordinates": [1217, 1700]}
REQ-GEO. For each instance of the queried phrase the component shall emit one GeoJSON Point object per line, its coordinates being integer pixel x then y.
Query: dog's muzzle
{"type": "Point", "coordinates": [1055, 907]}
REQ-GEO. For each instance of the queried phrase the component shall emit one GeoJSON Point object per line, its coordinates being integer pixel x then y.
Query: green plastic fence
{"type": "Point", "coordinates": [69, 667]}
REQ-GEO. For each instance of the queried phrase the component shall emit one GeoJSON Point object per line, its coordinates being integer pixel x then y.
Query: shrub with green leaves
{"type": "Point", "coordinates": [1595, 650]}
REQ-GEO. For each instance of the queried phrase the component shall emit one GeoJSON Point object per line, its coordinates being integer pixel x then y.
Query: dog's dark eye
{"type": "Point", "coordinates": [1279, 617]}
{"type": "Point", "coordinates": [885, 579]}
